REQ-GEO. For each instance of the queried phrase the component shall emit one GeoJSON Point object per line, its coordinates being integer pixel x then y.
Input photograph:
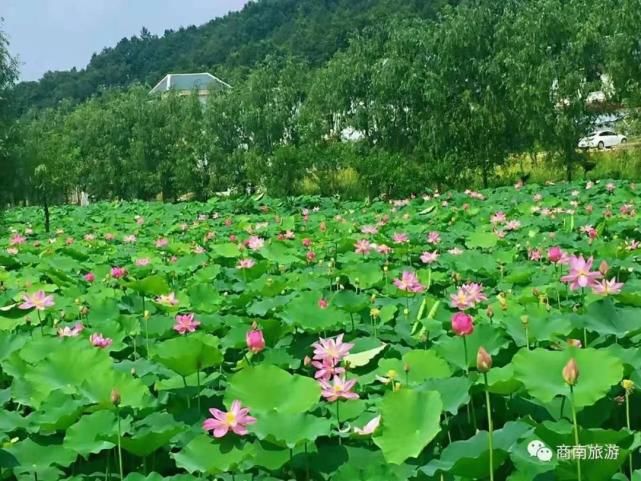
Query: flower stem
{"type": "Point", "coordinates": [576, 431]}
{"type": "Point", "coordinates": [471, 413]}
{"type": "Point", "coordinates": [627, 421]}
{"type": "Point", "coordinates": [338, 421]}
{"type": "Point", "coordinates": [198, 382]}
{"type": "Point", "coordinates": [119, 444]}
{"type": "Point", "coordinates": [490, 427]}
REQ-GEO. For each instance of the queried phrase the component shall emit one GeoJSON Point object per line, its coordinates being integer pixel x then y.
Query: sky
{"type": "Point", "coordinates": [61, 34]}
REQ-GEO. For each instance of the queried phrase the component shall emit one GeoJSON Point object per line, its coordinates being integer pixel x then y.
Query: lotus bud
{"type": "Point", "coordinates": [628, 385]}
{"type": "Point", "coordinates": [392, 374]}
{"type": "Point", "coordinates": [147, 315]}
{"type": "Point", "coordinates": [307, 361]}
{"type": "Point", "coordinates": [406, 311]}
{"type": "Point", "coordinates": [115, 397]}
{"type": "Point", "coordinates": [385, 268]}
{"type": "Point", "coordinates": [604, 268]}
{"type": "Point", "coordinates": [575, 343]}
{"type": "Point", "coordinates": [374, 312]}
{"type": "Point", "coordinates": [406, 367]}
{"type": "Point", "coordinates": [536, 292]}
{"type": "Point", "coordinates": [133, 371]}
{"type": "Point", "coordinates": [483, 360]}
{"type": "Point", "coordinates": [490, 312]}
{"type": "Point", "coordinates": [525, 320]}
{"type": "Point", "coordinates": [255, 340]}
{"type": "Point", "coordinates": [571, 372]}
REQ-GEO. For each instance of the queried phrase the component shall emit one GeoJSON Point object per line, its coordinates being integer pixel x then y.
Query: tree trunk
{"type": "Point", "coordinates": [485, 173]}
{"type": "Point", "coordinates": [568, 166]}
{"type": "Point", "coordinates": [47, 216]}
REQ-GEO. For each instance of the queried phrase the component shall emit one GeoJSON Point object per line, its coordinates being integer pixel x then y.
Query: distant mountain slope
{"type": "Point", "coordinates": [310, 29]}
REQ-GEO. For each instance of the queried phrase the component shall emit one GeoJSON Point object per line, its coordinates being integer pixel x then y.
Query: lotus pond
{"type": "Point", "coordinates": [460, 336]}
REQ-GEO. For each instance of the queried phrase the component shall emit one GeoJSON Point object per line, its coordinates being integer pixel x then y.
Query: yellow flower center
{"type": "Point", "coordinates": [230, 418]}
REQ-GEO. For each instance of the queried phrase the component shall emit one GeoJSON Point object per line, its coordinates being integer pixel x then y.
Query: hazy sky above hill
{"type": "Point", "coordinates": [61, 34]}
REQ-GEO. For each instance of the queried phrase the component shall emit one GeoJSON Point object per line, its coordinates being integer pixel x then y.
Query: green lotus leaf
{"type": "Point", "coordinates": [190, 353]}
{"type": "Point", "coordinates": [151, 433]}
{"type": "Point", "coordinates": [410, 420]}
{"type": "Point", "coordinates": [540, 371]}
{"type": "Point", "coordinates": [151, 286]}
{"type": "Point", "coordinates": [94, 433]}
{"type": "Point", "coordinates": [470, 457]}
{"type": "Point", "coordinates": [204, 454]}
{"type": "Point", "coordinates": [290, 429]}
{"type": "Point", "coordinates": [452, 347]}
{"type": "Point", "coordinates": [34, 456]}
{"type": "Point", "coordinates": [265, 388]}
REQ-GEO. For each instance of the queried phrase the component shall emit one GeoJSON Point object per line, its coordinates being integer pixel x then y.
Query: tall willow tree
{"type": "Point", "coordinates": [8, 75]}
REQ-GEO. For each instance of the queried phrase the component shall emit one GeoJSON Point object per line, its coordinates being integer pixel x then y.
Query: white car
{"type": "Point", "coordinates": [601, 139]}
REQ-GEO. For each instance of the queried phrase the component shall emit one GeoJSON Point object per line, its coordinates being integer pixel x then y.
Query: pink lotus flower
{"type": "Point", "coordinates": [610, 187]}
{"type": "Point", "coordinates": [118, 272]}
{"type": "Point", "coordinates": [12, 251]}
{"type": "Point", "coordinates": [462, 324]}
{"type": "Point", "coordinates": [69, 241]}
{"type": "Point", "coordinates": [140, 220]}
{"type": "Point", "coordinates": [498, 218]}
{"type": "Point", "coordinates": [337, 389]}
{"type": "Point", "coordinates": [580, 274]}
{"type": "Point", "coordinates": [236, 419]}
{"type": "Point", "coordinates": [97, 340]}
{"type": "Point", "coordinates": [40, 301]}
{"type": "Point", "coordinates": [383, 249]}
{"type": "Point", "coordinates": [535, 255]}
{"type": "Point", "coordinates": [142, 262]}
{"type": "Point", "coordinates": [162, 243]}
{"type": "Point", "coordinates": [246, 264]}
{"type": "Point", "coordinates": [307, 242]}
{"type": "Point", "coordinates": [400, 238]}
{"type": "Point", "coordinates": [607, 288]}
{"type": "Point", "coordinates": [129, 239]}
{"type": "Point", "coordinates": [71, 331]}
{"type": "Point", "coordinates": [556, 255]}
{"type": "Point", "coordinates": [168, 299]}
{"type": "Point", "coordinates": [332, 349]}
{"type": "Point", "coordinates": [327, 368]}
{"type": "Point", "coordinates": [369, 229]}
{"type": "Point", "coordinates": [89, 277]}
{"type": "Point", "coordinates": [362, 246]}
{"type": "Point", "coordinates": [289, 235]}
{"type": "Point", "coordinates": [467, 296]}
{"type": "Point", "coordinates": [310, 256]}
{"type": "Point", "coordinates": [255, 340]}
{"type": "Point", "coordinates": [433, 237]}
{"type": "Point", "coordinates": [109, 236]}
{"type": "Point", "coordinates": [17, 240]}
{"type": "Point", "coordinates": [513, 225]}
{"type": "Point", "coordinates": [370, 427]}
{"type": "Point", "coordinates": [455, 251]}
{"type": "Point", "coordinates": [323, 304]}
{"type": "Point", "coordinates": [255, 243]}
{"type": "Point", "coordinates": [185, 323]}
{"type": "Point", "coordinates": [408, 282]}
{"type": "Point", "coordinates": [429, 257]}
{"type": "Point", "coordinates": [90, 237]}
{"type": "Point", "coordinates": [461, 300]}
{"type": "Point", "coordinates": [631, 245]}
